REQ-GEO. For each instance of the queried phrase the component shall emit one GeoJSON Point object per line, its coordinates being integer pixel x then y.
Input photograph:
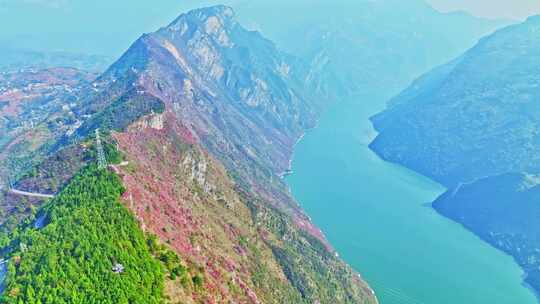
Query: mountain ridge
{"type": "Point", "coordinates": [198, 120]}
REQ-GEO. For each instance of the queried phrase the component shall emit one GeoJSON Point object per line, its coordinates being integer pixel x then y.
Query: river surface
{"type": "Point", "coordinates": [377, 216]}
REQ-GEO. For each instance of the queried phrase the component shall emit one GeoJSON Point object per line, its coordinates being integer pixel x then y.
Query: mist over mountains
{"type": "Point", "coordinates": [367, 45]}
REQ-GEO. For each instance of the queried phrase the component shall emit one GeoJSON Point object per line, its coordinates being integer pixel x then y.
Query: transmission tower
{"type": "Point", "coordinates": [102, 163]}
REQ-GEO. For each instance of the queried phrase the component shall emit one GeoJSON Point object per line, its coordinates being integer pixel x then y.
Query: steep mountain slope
{"type": "Point", "coordinates": [199, 120]}
{"type": "Point", "coordinates": [363, 46]}
{"type": "Point", "coordinates": [473, 125]}
{"type": "Point", "coordinates": [503, 210]}
{"type": "Point", "coordinates": [70, 259]}
{"type": "Point", "coordinates": [231, 89]}
{"type": "Point", "coordinates": [476, 117]}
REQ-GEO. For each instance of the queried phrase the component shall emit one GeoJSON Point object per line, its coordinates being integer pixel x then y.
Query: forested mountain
{"type": "Point", "coordinates": [473, 126]}
{"type": "Point", "coordinates": [198, 121]}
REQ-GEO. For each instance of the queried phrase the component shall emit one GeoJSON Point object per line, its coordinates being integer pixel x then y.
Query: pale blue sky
{"type": "Point", "coordinates": [514, 9]}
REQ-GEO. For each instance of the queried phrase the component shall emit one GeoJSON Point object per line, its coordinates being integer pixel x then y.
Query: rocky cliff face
{"type": "Point", "coordinates": [231, 88]}
{"type": "Point", "coordinates": [204, 115]}
{"type": "Point", "coordinates": [473, 126]}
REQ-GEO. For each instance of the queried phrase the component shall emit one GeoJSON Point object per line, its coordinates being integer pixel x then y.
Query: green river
{"type": "Point", "coordinates": [377, 216]}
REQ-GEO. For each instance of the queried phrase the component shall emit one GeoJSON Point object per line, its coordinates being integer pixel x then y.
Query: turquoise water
{"type": "Point", "coordinates": [376, 214]}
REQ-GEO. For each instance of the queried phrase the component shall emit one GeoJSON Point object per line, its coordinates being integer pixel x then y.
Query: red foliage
{"type": "Point", "coordinates": [164, 206]}
{"type": "Point", "coordinates": [152, 193]}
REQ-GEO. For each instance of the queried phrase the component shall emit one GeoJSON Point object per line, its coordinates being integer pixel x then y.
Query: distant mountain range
{"type": "Point", "coordinates": [473, 125]}
{"type": "Point", "coordinates": [16, 59]}
{"type": "Point", "coordinates": [366, 48]}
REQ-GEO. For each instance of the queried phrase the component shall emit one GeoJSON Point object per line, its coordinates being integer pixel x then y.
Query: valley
{"type": "Point", "coordinates": [378, 217]}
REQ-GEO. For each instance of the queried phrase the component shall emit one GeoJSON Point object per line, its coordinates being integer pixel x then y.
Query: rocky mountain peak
{"type": "Point", "coordinates": [213, 21]}
{"type": "Point", "coordinates": [239, 96]}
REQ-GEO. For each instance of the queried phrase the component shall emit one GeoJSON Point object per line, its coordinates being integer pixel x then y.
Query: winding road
{"type": "Point", "coordinates": [31, 194]}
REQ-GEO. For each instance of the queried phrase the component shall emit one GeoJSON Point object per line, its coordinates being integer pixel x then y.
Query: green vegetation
{"type": "Point", "coordinates": [173, 265]}
{"type": "Point", "coordinates": [112, 155]}
{"type": "Point", "coordinates": [70, 260]}
{"type": "Point", "coordinates": [314, 272]}
{"type": "Point", "coordinates": [122, 112]}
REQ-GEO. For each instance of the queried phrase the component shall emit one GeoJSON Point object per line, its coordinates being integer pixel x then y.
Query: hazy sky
{"type": "Point", "coordinates": [109, 26]}
{"type": "Point", "coordinates": [514, 9]}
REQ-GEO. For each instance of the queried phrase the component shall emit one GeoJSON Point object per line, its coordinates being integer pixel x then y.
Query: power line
{"type": "Point", "coordinates": [102, 162]}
